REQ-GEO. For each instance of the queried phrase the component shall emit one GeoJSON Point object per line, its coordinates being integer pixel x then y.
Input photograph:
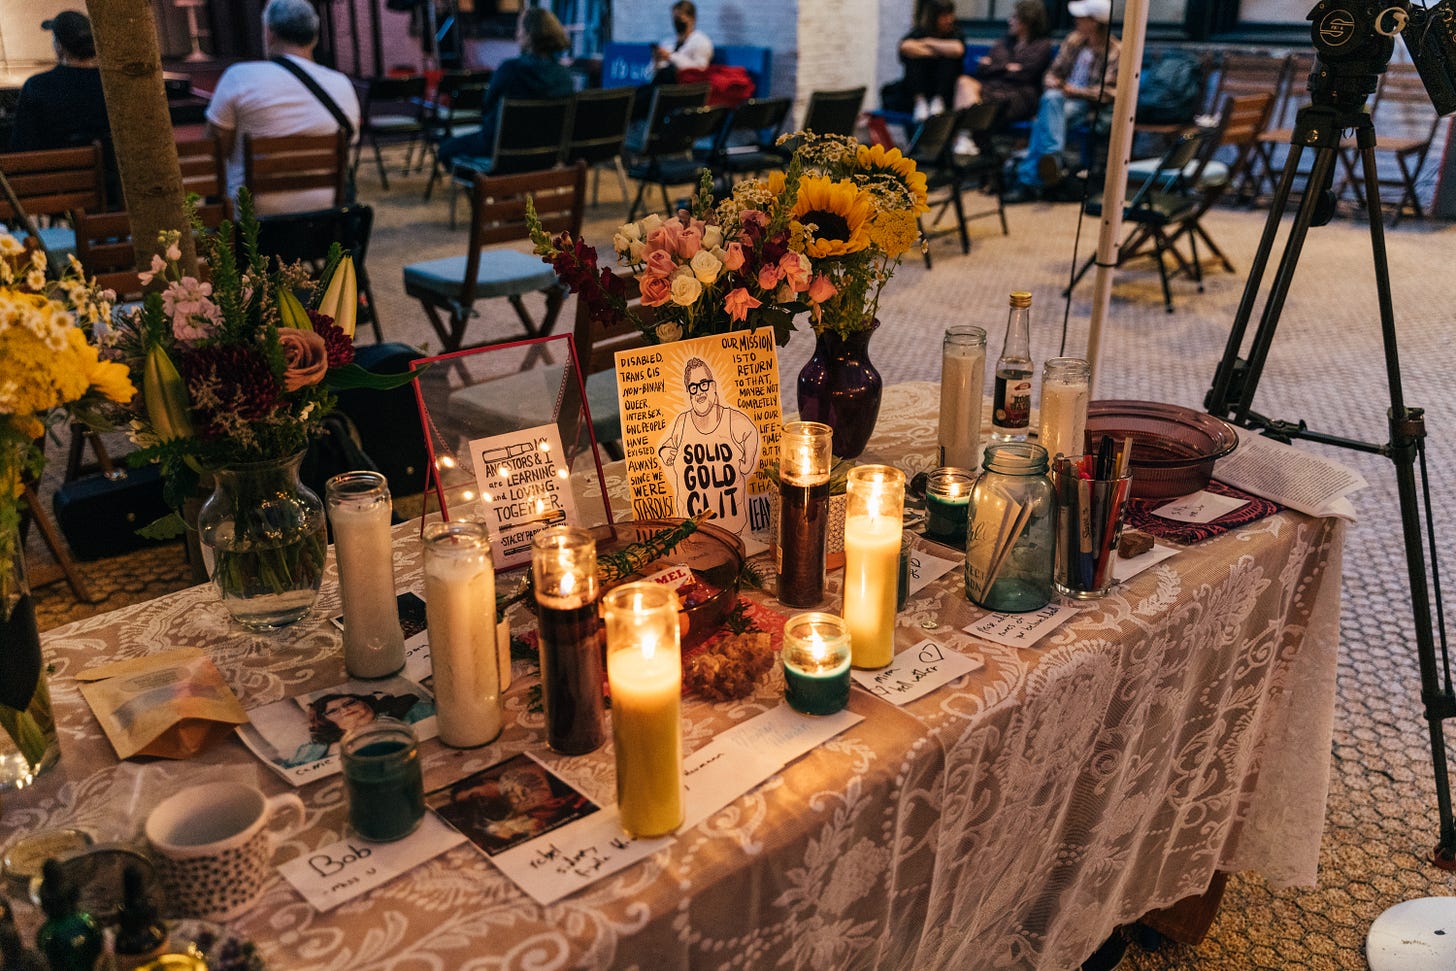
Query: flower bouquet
{"type": "Point", "coordinates": [51, 371]}
{"type": "Point", "coordinates": [237, 374]}
{"type": "Point", "coordinates": [824, 236]}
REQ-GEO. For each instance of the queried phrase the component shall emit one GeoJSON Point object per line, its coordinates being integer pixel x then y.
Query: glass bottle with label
{"type": "Point", "coordinates": [1011, 414]}
{"type": "Point", "coordinates": [1009, 540]}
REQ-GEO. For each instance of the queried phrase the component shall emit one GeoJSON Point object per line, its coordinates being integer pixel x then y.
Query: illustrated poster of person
{"type": "Point", "coordinates": [700, 418]}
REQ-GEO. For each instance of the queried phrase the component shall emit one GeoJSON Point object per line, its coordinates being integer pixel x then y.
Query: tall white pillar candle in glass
{"type": "Point", "coordinates": [1065, 386]}
{"type": "Point", "coordinates": [872, 531]}
{"type": "Point", "coordinates": [460, 612]}
{"type": "Point", "coordinates": [359, 511]}
{"type": "Point", "coordinates": [962, 386]}
{"type": "Point", "coordinates": [644, 673]}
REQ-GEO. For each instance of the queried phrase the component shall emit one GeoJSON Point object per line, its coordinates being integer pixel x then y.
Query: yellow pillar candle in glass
{"type": "Point", "coordinates": [872, 531]}
{"type": "Point", "coordinates": [460, 613]}
{"type": "Point", "coordinates": [644, 674]}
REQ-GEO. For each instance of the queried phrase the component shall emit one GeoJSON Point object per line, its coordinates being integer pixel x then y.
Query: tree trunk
{"type": "Point", "coordinates": [141, 128]}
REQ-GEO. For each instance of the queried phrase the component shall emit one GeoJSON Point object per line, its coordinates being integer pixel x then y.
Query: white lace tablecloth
{"type": "Point", "coordinates": [1178, 726]}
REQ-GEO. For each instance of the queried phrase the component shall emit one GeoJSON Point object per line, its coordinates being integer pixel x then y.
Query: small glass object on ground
{"type": "Point", "coordinates": [1065, 388]}
{"type": "Point", "coordinates": [804, 464]}
{"type": "Point", "coordinates": [644, 671]}
{"type": "Point", "coordinates": [564, 577]}
{"type": "Point", "coordinates": [816, 663]}
{"type": "Point", "coordinates": [872, 534]}
{"type": "Point", "coordinates": [947, 500]}
{"type": "Point", "coordinates": [962, 386]}
{"type": "Point", "coordinates": [1010, 537]}
{"type": "Point", "coordinates": [382, 778]}
{"type": "Point", "coordinates": [360, 510]}
{"type": "Point", "coordinates": [460, 613]}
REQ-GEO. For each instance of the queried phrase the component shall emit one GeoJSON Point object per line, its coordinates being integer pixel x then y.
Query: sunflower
{"type": "Point", "coordinates": [838, 211]}
{"type": "Point", "coordinates": [876, 160]}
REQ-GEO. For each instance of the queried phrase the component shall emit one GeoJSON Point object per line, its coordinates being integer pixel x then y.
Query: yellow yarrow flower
{"type": "Point", "coordinates": [894, 231]}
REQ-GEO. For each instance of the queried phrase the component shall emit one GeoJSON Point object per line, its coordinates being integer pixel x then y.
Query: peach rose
{"type": "Point", "coordinates": [821, 289]}
{"type": "Point", "coordinates": [305, 357]}
{"type": "Point", "coordinates": [796, 270]}
{"type": "Point", "coordinates": [689, 241]}
{"type": "Point", "coordinates": [733, 258]}
{"type": "Point", "coordinates": [739, 302]}
{"type": "Point", "coordinates": [656, 291]}
{"type": "Point", "coordinates": [769, 276]}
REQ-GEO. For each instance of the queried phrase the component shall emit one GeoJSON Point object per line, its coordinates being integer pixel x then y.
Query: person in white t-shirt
{"type": "Point", "coordinates": [689, 47]}
{"type": "Point", "coordinates": [261, 98]}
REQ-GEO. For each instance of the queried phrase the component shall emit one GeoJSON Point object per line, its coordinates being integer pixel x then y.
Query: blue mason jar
{"type": "Point", "coordinates": [1010, 534]}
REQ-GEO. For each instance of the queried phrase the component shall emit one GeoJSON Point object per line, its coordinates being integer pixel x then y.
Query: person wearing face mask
{"type": "Point", "coordinates": [689, 47]}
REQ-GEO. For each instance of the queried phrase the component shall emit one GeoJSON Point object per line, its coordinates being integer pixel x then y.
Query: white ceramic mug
{"type": "Point", "coordinates": [212, 845]}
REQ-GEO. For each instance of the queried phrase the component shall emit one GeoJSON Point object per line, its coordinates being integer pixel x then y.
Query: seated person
{"type": "Point", "coordinates": [689, 47]}
{"type": "Point", "coordinates": [932, 54]}
{"type": "Point", "coordinates": [535, 75]}
{"type": "Point", "coordinates": [265, 99]}
{"type": "Point", "coordinates": [63, 107]}
{"type": "Point", "coordinates": [1011, 74]}
{"type": "Point", "coordinates": [1071, 91]}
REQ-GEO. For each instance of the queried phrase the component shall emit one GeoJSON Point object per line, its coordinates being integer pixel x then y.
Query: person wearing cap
{"type": "Point", "coordinates": [63, 107]}
{"type": "Point", "coordinates": [1082, 78]}
{"type": "Point", "coordinates": [265, 99]}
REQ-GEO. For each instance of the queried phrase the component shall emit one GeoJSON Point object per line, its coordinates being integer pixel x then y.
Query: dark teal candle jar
{"type": "Point", "coordinates": [816, 663]}
{"type": "Point", "coordinates": [947, 502]}
{"type": "Point", "coordinates": [382, 779]}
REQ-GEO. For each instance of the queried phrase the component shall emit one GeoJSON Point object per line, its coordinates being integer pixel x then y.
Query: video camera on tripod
{"type": "Point", "coordinates": [1354, 41]}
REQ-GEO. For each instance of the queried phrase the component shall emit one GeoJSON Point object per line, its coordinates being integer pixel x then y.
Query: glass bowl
{"type": "Point", "coordinates": [1173, 448]}
{"type": "Point", "coordinates": [714, 555]}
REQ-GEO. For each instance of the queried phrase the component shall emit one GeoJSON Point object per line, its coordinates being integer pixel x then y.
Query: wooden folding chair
{"type": "Point", "coordinates": [1267, 166]}
{"type": "Point", "coordinates": [293, 163]}
{"type": "Point", "coordinates": [449, 288]}
{"type": "Point", "coordinates": [203, 170]}
{"type": "Point", "coordinates": [597, 343]}
{"type": "Point", "coordinates": [529, 135]}
{"type": "Point", "coordinates": [50, 185]}
{"type": "Point", "coordinates": [1405, 125]}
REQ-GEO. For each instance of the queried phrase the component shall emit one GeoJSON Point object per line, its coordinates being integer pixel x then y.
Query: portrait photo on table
{"type": "Point", "coordinates": [508, 803]}
{"type": "Point", "coordinates": [303, 733]}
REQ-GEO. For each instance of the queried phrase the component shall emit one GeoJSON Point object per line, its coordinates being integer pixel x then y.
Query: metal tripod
{"type": "Point", "coordinates": [1320, 127]}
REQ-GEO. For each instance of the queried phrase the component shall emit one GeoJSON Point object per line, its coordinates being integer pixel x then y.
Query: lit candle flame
{"type": "Point", "coordinates": [544, 445]}
{"type": "Point", "coordinates": [445, 462]}
{"type": "Point", "coordinates": [504, 471]}
{"type": "Point", "coordinates": [816, 647]}
{"type": "Point", "coordinates": [468, 495]}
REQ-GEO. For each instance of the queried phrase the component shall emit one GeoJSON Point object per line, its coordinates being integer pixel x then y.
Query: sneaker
{"type": "Point", "coordinates": [937, 106]}
{"type": "Point", "coordinates": [1049, 170]}
{"type": "Point", "coordinates": [966, 145]}
{"type": "Point", "coordinates": [922, 110]}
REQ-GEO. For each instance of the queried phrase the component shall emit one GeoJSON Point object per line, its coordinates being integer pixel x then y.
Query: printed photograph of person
{"type": "Point", "coordinates": [710, 452]}
{"type": "Point", "coordinates": [307, 729]}
{"type": "Point", "coordinates": [509, 803]}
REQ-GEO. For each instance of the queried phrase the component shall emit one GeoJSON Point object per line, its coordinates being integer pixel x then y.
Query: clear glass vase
{"type": "Point", "coordinates": [264, 539]}
{"type": "Point", "coordinates": [28, 741]}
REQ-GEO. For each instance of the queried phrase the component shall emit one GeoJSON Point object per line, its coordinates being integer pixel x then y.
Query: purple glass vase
{"type": "Point", "coordinates": [840, 387]}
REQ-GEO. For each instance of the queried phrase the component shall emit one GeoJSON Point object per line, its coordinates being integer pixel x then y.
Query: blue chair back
{"type": "Point", "coordinates": [626, 65]}
{"type": "Point", "coordinates": [757, 61]}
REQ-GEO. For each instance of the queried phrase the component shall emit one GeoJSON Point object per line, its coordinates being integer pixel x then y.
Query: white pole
{"type": "Point", "coordinates": [1114, 189]}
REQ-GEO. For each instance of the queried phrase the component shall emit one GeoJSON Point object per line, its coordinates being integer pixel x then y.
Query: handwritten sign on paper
{"type": "Point", "coordinates": [719, 773]}
{"type": "Point", "coordinates": [926, 568]}
{"type": "Point", "coordinates": [341, 871]}
{"type": "Point", "coordinates": [523, 481]}
{"type": "Point", "coordinates": [916, 672]}
{"type": "Point", "coordinates": [1021, 630]}
{"type": "Point", "coordinates": [1124, 570]}
{"type": "Point", "coordinates": [1201, 507]}
{"type": "Point", "coordinates": [574, 856]}
{"type": "Point", "coordinates": [699, 420]}
{"type": "Point", "coordinates": [782, 734]}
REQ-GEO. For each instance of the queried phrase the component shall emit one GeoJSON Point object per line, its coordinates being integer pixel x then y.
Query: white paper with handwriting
{"type": "Point", "coordinates": [341, 871]}
{"type": "Point", "coordinates": [1021, 630]}
{"type": "Point", "coordinates": [917, 671]}
{"type": "Point", "coordinates": [926, 568]}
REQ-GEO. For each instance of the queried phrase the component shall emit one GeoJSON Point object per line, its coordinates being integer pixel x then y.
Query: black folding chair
{"type": "Point", "coordinates": [529, 136]}
{"type": "Point", "coordinates": [600, 118]}
{"type": "Point", "coordinates": [392, 112]}
{"type": "Point", "coordinates": [754, 127]}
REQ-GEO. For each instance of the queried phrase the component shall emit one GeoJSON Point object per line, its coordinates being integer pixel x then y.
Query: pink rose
{"type": "Point", "coordinates": [656, 291]}
{"type": "Point", "coordinates": [733, 261]}
{"type": "Point", "coordinates": [821, 289]}
{"type": "Point", "coordinates": [769, 276]}
{"type": "Point", "coordinates": [660, 264]}
{"type": "Point", "coordinates": [689, 242]}
{"type": "Point", "coordinates": [796, 269]}
{"type": "Point", "coordinates": [664, 237]}
{"type": "Point", "coordinates": [752, 217]}
{"type": "Point", "coordinates": [305, 357]}
{"type": "Point", "coordinates": [739, 302]}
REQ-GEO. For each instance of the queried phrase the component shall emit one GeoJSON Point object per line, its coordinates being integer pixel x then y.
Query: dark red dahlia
{"type": "Point", "coordinates": [228, 379]}
{"type": "Point", "coordinates": [339, 344]}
